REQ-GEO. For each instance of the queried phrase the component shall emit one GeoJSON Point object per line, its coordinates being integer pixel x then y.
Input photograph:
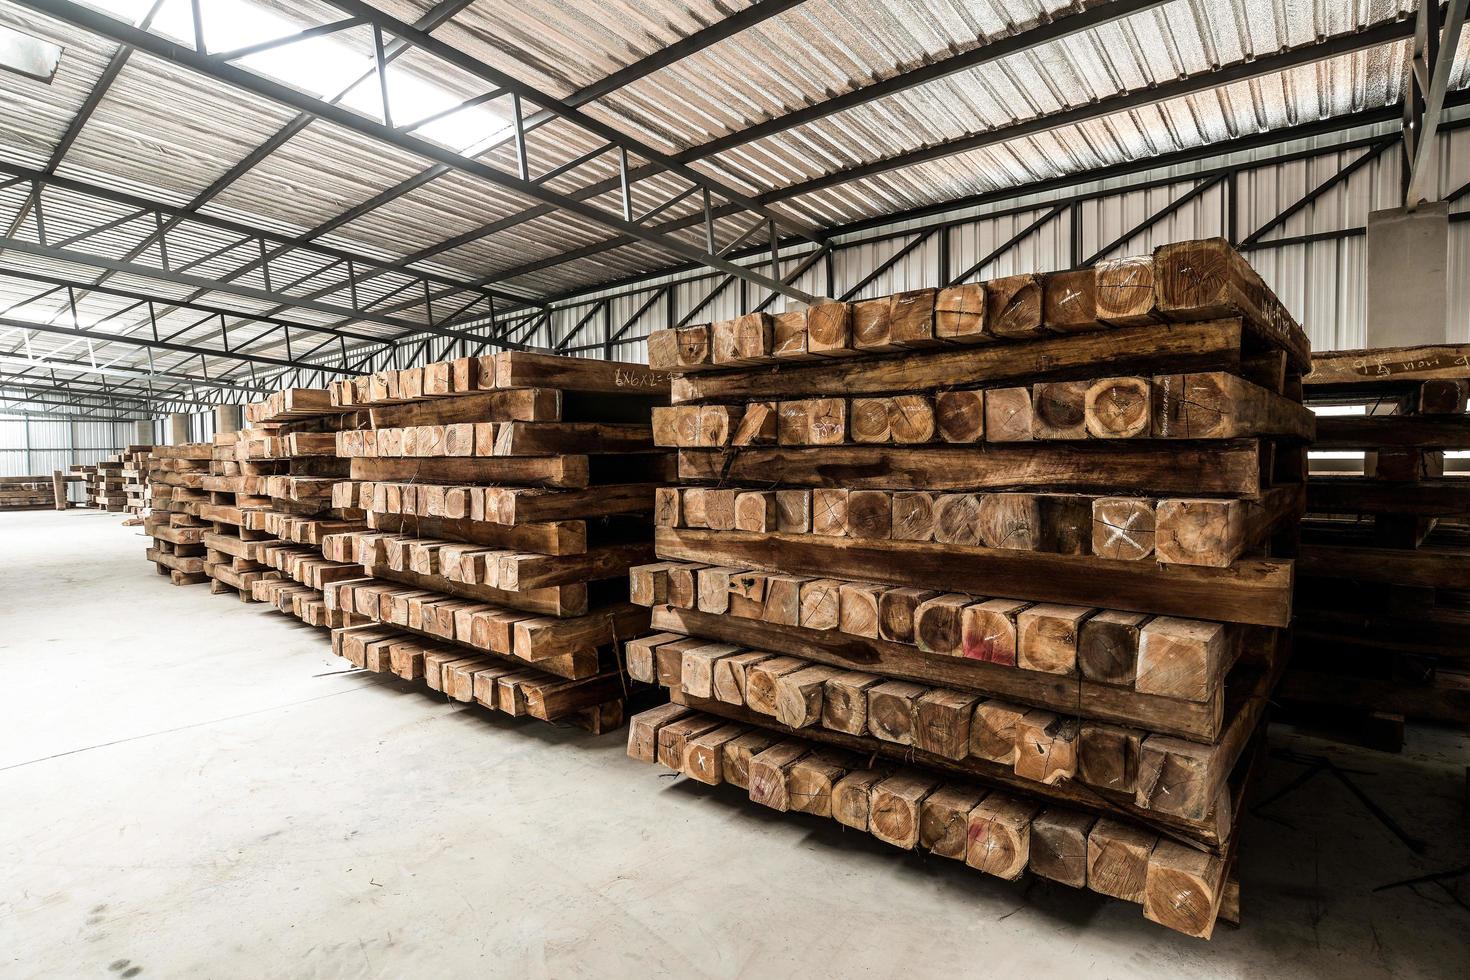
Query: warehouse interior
{"type": "Point", "coordinates": [443, 358]}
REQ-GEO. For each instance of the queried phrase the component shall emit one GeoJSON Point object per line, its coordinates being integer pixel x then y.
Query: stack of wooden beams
{"type": "Point", "coordinates": [26, 492]}
{"type": "Point", "coordinates": [88, 476]}
{"type": "Point", "coordinates": [300, 589]}
{"type": "Point", "coordinates": [506, 498]}
{"type": "Point", "coordinates": [105, 489]}
{"type": "Point", "coordinates": [1383, 586]}
{"type": "Point", "coordinates": [176, 477]}
{"type": "Point", "coordinates": [270, 483]}
{"type": "Point", "coordinates": [1001, 571]}
{"type": "Point", "coordinates": [306, 507]}
{"type": "Point", "coordinates": [236, 488]}
{"type": "Point", "coordinates": [136, 491]}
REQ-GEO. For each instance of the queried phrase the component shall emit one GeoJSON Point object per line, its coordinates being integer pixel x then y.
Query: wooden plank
{"type": "Point", "coordinates": [554, 471]}
{"type": "Point", "coordinates": [1217, 405]}
{"type": "Point", "coordinates": [1399, 431]}
{"type": "Point", "coordinates": [518, 505]}
{"type": "Point", "coordinates": [1208, 277]}
{"type": "Point", "coordinates": [1215, 532]}
{"type": "Point", "coordinates": [1449, 497]}
{"type": "Point", "coordinates": [548, 438]}
{"type": "Point", "coordinates": [1445, 700]}
{"type": "Point", "coordinates": [1388, 364]}
{"type": "Point", "coordinates": [544, 537]}
{"type": "Point", "coordinates": [1183, 888]}
{"type": "Point", "coordinates": [1231, 468]}
{"type": "Point", "coordinates": [525, 369]}
{"type": "Point", "coordinates": [556, 600]}
{"type": "Point", "coordinates": [1432, 567]}
{"type": "Point", "coordinates": [518, 405]}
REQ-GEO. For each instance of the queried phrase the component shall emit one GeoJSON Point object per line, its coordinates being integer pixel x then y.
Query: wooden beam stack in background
{"type": "Point", "coordinates": [105, 489]}
{"type": "Point", "coordinates": [88, 476]}
{"type": "Point", "coordinates": [1383, 586]}
{"type": "Point", "coordinates": [137, 494]}
{"type": "Point", "coordinates": [506, 498]}
{"type": "Point", "coordinates": [271, 482]}
{"type": "Point", "coordinates": [176, 477]}
{"type": "Point", "coordinates": [26, 492]}
{"type": "Point", "coordinates": [1000, 571]}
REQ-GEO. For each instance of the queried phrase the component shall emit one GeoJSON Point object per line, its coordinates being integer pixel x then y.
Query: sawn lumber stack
{"type": "Point", "coordinates": [505, 499]}
{"type": "Point", "coordinates": [1001, 571]}
{"type": "Point", "coordinates": [272, 482]}
{"type": "Point", "coordinates": [1383, 590]}
{"type": "Point", "coordinates": [106, 485]}
{"type": "Point", "coordinates": [26, 492]}
{"type": "Point", "coordinates": [176, 477]}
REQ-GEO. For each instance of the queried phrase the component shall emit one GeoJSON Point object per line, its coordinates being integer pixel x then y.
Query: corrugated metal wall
{"type": "Point", "coordinates": [36, 446]}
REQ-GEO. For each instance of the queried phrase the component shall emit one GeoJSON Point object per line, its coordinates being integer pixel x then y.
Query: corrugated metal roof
{"type": "Point", "coordinates": [165, 133]}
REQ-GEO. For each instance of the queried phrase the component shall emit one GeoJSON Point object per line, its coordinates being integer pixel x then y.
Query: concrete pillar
{"type": "Point", "coordinates": [143, 432]}
{"type": "Point", "coordinates": [227, 418]}
{"type": "Point", "coordinates": [1408, 286]}
{"type": "Point", "coordinates": [178, 429]}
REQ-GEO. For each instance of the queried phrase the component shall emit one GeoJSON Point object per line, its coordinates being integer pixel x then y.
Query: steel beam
{"type": "Point", "coordinates": [44, 391]}
{"type": "Point", "coordinates": [1334, 46]}
{"type": "Point", "coordinates": [123, 371]}
{"type": "Point", "coordinates": [167, 217]}
{"type": "Point", "coordinates": [184, 56]}
{"type": "Point", "coordinates": [99, 336]}
{"type": "Point", "coordinates": [30, 406]}
{"type": "Point", "coordinates": [435, 17]}
{"type": "Point", "coordinates": [1070, 184]}
{"type": "Point", "coordinates": [1340, 176]}
{"type": "Point", "coordinates": [718, 31]}
{"type": "Point", "coordinates": [405, 327]}
{"type": "Point", "coordinates": [1047, 32]}
{"type": "Point", "coordinates": [568, 113]}
{"type": "Point", "coordinates": [1198, 190]}
{"type": "Point", "coordinates": [80, 388]}
{"type": "Point", "coordinates": [209, 311]}
{"type": "Point", "coordinates": [1431, 64]}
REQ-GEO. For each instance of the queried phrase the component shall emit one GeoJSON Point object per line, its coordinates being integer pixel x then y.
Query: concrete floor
{"type": "Point", "coordinates": [191, 786]}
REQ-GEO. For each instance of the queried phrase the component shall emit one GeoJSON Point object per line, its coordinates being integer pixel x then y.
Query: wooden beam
{"type": "Point", "coordinates": [1229, 468]}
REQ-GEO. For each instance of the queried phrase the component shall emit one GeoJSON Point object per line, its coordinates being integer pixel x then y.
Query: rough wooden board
{"type": "Point", "coordinates": [1227, 468]}
{"type": "Point", "coordinates": [1256, 591]}
{"type": "Point", "coordinates": [1354, 367]}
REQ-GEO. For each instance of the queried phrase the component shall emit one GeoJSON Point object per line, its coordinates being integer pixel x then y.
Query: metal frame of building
{"type": "Point", "coordinates": [235, 309]}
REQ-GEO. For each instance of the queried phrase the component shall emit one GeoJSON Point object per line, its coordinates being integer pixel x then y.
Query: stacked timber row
{"type": "Point", "coordinates": [88, 477]}
{"type": "Point", "coordinates": [1001, 572]}
{"type": "Point", "coordinates": [106, 488]}
{"type": "Point", "coordinates": [1383, 583]}
{"type": "Point", "coordinates": [26, 492]}
{"type": "Point", "coordinates": [271, 482]}
{"type": "Point", "coordinates": [506, 497]}
{"type": "Point", "coordinates": [135, 465]}
{"type": "Point", "coordinates": [176, 476]}
{"type": "Point", "coordinates": [304, 577]}
{"type": "Point", "coordinates": [236, 488]}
